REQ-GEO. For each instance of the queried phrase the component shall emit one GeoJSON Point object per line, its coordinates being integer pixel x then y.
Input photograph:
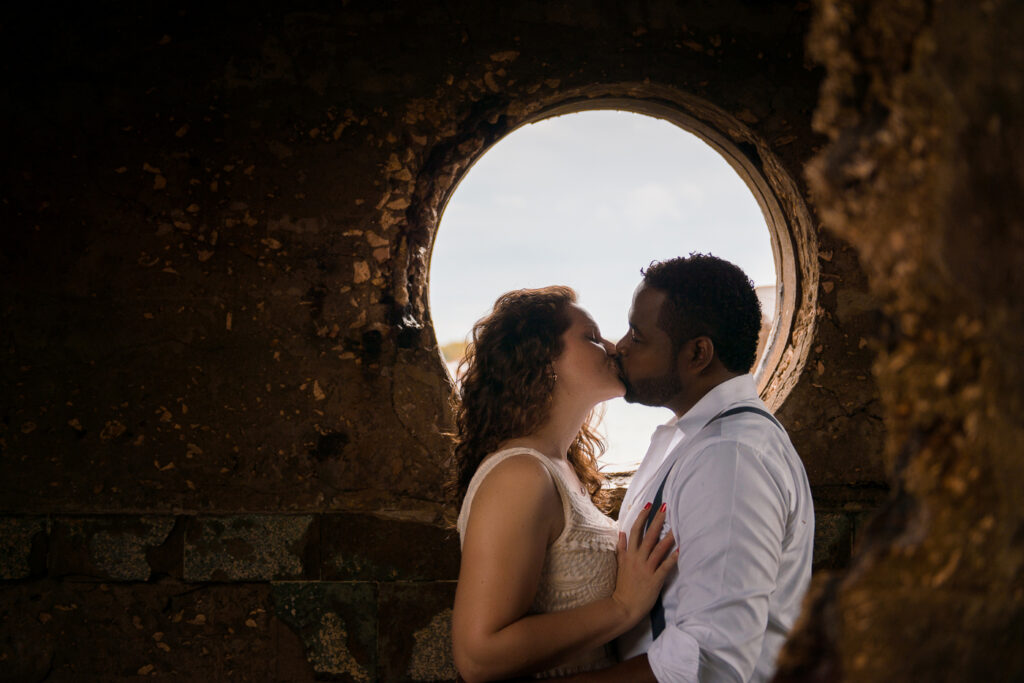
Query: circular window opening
{"type": "Point", "coordinates": [587, 199]}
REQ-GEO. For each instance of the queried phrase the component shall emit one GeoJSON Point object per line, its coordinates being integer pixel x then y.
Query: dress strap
{"type": "Point", "coordinates": [498, 457]}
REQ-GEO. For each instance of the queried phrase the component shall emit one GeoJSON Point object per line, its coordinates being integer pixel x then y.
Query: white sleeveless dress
{"type": "Point", "coordinates": [580, 564]}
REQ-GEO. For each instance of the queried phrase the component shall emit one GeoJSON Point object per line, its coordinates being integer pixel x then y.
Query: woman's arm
{"type": "Point", "coordinates": [516, 513]}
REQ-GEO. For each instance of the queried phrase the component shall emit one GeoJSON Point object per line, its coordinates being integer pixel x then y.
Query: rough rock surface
{"type": "Point", "coordinates": [922, 175]}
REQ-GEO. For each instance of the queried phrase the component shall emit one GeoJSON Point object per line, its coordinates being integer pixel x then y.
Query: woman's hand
{"type": "Point", "coordinates": [644, 564]}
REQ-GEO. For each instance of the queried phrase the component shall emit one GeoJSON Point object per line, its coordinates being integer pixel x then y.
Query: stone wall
{"type": "Point", "coordinates": [922, 106]}
{"type": "Point", "coordinates": [222, 444]}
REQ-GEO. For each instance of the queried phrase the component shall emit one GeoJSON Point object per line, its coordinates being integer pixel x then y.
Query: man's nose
{"type": "Point", "coordinates": [620, 346]}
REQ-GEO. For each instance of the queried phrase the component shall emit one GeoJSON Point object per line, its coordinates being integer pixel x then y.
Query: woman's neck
{"type": "Point", "coordinates": [557, 433]}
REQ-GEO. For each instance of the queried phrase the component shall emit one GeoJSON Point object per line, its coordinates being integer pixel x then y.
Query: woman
{"type": "Point", "coordinates": [545, 581]}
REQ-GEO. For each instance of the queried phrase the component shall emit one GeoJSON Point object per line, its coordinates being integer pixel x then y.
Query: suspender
{"type": "Point", "coordinates": [658, 612]}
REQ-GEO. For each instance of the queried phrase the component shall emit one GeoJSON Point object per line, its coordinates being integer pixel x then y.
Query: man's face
{"type": "Point", "coordinates": [645, 354]}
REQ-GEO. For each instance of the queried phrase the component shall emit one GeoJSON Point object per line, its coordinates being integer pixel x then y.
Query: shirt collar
{"type": "Point", "coordinates": [736, 390]}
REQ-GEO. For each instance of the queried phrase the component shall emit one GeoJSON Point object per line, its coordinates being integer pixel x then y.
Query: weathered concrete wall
{"type": "Point", "coordinates": [223, 403]}
{"type": "Point", "coordinates": [922, 105]}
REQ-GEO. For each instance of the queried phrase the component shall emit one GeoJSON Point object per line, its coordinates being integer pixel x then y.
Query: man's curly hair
{"type": "Point", "coordinates": [710, 297]}
{"type": "Point", "coordinates": [507, 384]}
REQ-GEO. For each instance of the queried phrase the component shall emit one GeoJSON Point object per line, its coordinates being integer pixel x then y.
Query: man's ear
{"type": "Point", "coordinates": [697, 354]}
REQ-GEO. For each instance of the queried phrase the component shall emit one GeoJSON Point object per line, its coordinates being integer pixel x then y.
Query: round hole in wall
{"type": "Point", "coordinates": [503, 218]}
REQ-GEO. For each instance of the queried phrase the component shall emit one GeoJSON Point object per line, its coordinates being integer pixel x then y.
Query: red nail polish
{"type": "Point", "coordinates": [647, 507]}
{"type": "Point", "coordinates": [662, 508]}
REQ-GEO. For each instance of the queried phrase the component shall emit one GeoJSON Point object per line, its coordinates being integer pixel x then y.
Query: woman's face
{"type": "Point", "coordinates": [586, 368]}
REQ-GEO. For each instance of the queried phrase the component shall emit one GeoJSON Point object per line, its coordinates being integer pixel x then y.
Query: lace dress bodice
{"type": "Point", "coordinates": [580, 564]}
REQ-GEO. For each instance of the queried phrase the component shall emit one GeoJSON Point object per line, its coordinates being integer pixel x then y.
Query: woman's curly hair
{"type": "Point", "coordinates": [508, 382]}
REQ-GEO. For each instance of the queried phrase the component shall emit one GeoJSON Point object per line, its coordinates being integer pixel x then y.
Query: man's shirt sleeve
{"type": "Point", "coordinates": [728, 513]}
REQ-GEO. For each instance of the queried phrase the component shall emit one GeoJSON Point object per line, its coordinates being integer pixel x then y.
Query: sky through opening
{"type": "Point", "coordinates": [586, 200]}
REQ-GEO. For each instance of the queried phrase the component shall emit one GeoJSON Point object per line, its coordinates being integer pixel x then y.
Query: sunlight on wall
{"type": "Point", "coordinates": [586, 200]}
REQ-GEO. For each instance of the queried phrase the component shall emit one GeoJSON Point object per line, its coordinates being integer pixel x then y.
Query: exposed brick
{"type": "Point", "coordinates": [415, 631]}
{"type": "Point", "coordinates": [72, 631]}
{"type": "Point", "coordinates": [251, 548]}
{"type": "Point", "coordinates": [111, 547]}
{"type": "Point", "coordinates": [337, 624]}
{"type": "Point", "coordinates": [861, 521]}
{"type": "Point", "coordinates": [833, 535]}
{"type": "Point", "coordinates": [357, 547]}
{"type": "Point", "coordinates": [22, 540]}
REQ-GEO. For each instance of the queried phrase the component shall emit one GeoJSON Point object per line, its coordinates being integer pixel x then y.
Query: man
{"type": "Point", "coordinates": [738, 500]}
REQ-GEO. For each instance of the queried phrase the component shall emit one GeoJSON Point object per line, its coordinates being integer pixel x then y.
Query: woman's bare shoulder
{"type": "Point", "coordinates": [519, 487]}
{"type": "Point", "coordinates": [521, 473]}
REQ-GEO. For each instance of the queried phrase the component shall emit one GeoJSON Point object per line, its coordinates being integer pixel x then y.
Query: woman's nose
{"type": "Point", "coordinates": [609, 348]}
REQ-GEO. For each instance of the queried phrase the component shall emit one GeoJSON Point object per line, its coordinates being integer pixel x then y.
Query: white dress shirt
{"type": "Point", "coordinates": [740, 508]}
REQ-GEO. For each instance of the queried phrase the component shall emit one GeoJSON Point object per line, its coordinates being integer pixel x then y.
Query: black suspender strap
{"type": "Point", "coordinates": [745, 409]}
{"type": "Point", "coordinates": [658, 611]}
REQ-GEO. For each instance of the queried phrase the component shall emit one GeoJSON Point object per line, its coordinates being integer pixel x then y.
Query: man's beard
{"type": "Point", "coordinates": [653, 391]}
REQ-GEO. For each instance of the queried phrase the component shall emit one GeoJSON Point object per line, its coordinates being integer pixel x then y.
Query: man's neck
{"type": "Point", "coordinates": [686, 400]}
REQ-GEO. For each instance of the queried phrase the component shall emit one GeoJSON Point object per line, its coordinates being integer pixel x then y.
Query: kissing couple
{"type": "Point", "coordinates": [704, 573]}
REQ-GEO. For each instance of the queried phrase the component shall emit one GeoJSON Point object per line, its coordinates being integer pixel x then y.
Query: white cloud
{"type": "Point", "coordinates": [650, 203]}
